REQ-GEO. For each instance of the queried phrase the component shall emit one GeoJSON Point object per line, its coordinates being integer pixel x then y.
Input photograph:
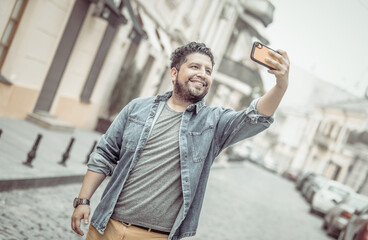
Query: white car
{"type": "Point", "coordinates": [329, 195]}
{"type": "Point", "coordinates": [338, 217]}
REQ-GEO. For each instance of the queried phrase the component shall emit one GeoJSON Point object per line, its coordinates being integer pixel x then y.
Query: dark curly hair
{"type": "Point", "coordinates": [179, 56]}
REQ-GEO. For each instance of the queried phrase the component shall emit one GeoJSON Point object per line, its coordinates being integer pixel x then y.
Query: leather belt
{"type": "Point", "coordinates": [147, 229]}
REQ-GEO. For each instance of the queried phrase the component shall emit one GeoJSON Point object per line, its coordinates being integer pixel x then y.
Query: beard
{"type": "Point", "coordinates": [189, 93]}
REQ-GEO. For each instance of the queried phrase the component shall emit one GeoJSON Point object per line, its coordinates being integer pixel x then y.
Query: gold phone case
{"type": "Point", "coordinates": [259, 54]}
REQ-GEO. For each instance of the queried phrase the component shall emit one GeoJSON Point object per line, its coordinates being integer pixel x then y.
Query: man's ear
{"type": "Point", "coordinates": [174, 74]}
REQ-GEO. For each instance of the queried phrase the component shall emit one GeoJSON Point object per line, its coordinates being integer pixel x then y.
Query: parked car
{"type": "Point", "coordinates": [256, 158]}
{"type": "Point", "coordinates": [357, 227]}
{"type": "Point", "coordinates": [291, 174]}
{"type": "Point", "coordinates": [329, 195]}
{"type": "Point", "coordinates": [315, 185]}
{"type": "Point", "coordinates": [306, 185]}
{"type": "Point", "coordinates": [302, 179]}
{"type": "Point", "coordinates": [270, 164]}
{"type": "Point", "coordinates": [338, 217]}
{"type": "Point", "coordinates": [239, 152]}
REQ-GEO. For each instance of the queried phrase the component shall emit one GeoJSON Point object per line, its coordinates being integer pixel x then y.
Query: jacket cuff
{"type": "Point", "coordinates": [98, 164]}
{"type": "Point", "coordinates": [255, 117]}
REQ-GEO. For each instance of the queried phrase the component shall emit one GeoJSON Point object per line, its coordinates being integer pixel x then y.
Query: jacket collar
{"type": "Point", "coordinates": [195, 106]}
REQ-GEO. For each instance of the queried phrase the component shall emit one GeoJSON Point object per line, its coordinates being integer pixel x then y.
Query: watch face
{"type": "Point", "coordinates": [75, 202]}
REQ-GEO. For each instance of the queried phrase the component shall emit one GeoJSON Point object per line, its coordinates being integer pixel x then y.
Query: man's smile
{"type": "Point", "coordinates": [198, 82]}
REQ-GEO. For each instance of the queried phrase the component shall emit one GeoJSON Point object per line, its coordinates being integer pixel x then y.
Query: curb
{"type": "Point", "coordinates": [13, 184]}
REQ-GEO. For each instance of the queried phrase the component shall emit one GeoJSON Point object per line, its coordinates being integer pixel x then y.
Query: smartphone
{"type": "Point", "coordinates": [259, 54]}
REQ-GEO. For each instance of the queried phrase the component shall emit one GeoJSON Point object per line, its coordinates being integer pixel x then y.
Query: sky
{"type": "Point", "coordinates": [329, 38]}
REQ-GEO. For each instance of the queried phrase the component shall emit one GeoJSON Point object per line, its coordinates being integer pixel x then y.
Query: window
{"type": "Point", "coordinates": [16, 12]}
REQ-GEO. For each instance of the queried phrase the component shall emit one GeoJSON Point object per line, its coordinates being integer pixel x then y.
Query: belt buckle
{"type": "Point", "coordinates": [127, 224]}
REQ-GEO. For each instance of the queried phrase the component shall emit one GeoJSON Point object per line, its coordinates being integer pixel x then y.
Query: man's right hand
{"type": "Point", "coordinates": [80, 213]}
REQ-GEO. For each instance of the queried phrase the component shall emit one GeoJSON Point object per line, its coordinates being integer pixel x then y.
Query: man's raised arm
{"type": "Point", "coordinates": [269, 102]}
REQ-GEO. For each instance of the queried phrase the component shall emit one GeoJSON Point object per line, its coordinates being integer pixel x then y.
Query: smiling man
{"type": "Point", "coordinates": [159, 152]}
{"type": "Point", "coordinates": [191, 79]}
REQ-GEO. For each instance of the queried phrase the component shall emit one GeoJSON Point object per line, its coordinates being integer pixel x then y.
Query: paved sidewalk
{"type": "Point", "coordinates": [19, 136]}
{"type": "Point", "coordinates": [17, 140]}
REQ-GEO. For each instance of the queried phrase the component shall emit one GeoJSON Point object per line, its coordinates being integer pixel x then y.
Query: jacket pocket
{"type": "Point", "coordinates": [132, 134]}
{"type": "Point", "coordinates": [201, 142]}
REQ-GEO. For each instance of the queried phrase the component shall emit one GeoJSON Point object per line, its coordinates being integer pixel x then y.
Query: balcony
{"type": "Point", "coordinates": [259, 9]}
{"type": "Point", "coordinates": [322, 141]}
{"type": "Point", "coordinates": [240, 72]}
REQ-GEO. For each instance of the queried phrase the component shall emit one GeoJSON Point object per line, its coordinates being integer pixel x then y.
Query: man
{"type": "Point", "coordinates": [159, 151]}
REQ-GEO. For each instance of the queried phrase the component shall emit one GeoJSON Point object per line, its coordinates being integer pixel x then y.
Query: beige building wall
{"type": "Point", "coordinates": [193, 21]}
{"type": "Point", "coordinates": [299, 160]}
{"type": "Point", "coordinates": [334, 128]}
{"type": "Point", "coordinates": [67, 105]}
{"type": "Point", "coordinates": [30, 54]}
{"type": "Point", "coordinates": [42, 26]}
{"type": "Point", "coordinates": [154, 79]}
{"type": "Point", "coordinates": [108, 75]}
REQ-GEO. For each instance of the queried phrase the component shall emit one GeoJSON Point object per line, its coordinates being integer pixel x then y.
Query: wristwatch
{"type": "Point", "coordinates": [80, 201]}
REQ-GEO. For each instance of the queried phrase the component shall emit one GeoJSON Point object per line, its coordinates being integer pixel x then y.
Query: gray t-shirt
{"type": "Point", "coordinates": [152, 194]}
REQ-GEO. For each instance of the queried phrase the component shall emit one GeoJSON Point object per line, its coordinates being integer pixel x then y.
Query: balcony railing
{"type": "Point", "coordinates": [322, 141]}
{"type": "Point", "coordinates": [260, 9]}
{"type": "Point", "coordinates": [240, 72]}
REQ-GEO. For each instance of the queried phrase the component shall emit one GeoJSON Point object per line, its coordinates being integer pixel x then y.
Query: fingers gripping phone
{"type": "Point", "coordinates": [259, 54]}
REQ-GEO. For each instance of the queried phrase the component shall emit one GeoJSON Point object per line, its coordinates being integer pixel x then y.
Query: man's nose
{"type": "Point", "coordinates": [202, 72]}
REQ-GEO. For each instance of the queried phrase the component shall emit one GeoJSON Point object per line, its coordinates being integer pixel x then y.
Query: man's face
{"type": "Point", "coordinates": [193, 80]}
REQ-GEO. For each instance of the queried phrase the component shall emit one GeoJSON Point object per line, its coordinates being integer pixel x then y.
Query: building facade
{"type": "Point", "coordinates": [76, 63]}
{"type": "Point", "coordinates": [329, 139]}
{"type": "Point", "coordinates": [337, 150]}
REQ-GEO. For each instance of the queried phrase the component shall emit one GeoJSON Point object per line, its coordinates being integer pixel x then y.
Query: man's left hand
{"type": "Point", "coordinates": [282, 67]}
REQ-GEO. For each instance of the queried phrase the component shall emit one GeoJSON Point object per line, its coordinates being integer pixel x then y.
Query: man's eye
{"type": "Point", "coordinates": [194, 67]}
{"type": "Point", "coordinates": [208, 72]}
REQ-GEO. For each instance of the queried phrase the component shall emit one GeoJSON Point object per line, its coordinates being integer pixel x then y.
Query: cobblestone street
{"type": "Point", "coordinates": [241, 203]}
{"type": "Point", "coordinates": [41, 213]}
{"type": "Point", "coordinates": [252, 203]}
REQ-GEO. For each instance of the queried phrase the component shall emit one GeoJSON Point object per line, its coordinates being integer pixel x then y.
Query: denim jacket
{"type": "Point", "coordinates": [204, 133]}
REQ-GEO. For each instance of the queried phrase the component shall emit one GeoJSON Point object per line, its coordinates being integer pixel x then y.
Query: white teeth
{"type": "Point", "coordinates": [198, 83]}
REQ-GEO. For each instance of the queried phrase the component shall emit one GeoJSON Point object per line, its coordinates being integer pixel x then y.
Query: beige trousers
{"type": "Point", "coordinates": [116, 230]}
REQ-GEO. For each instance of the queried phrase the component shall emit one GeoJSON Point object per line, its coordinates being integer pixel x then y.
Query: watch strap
{"type": "Point", "coordinates": [81, 201]}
